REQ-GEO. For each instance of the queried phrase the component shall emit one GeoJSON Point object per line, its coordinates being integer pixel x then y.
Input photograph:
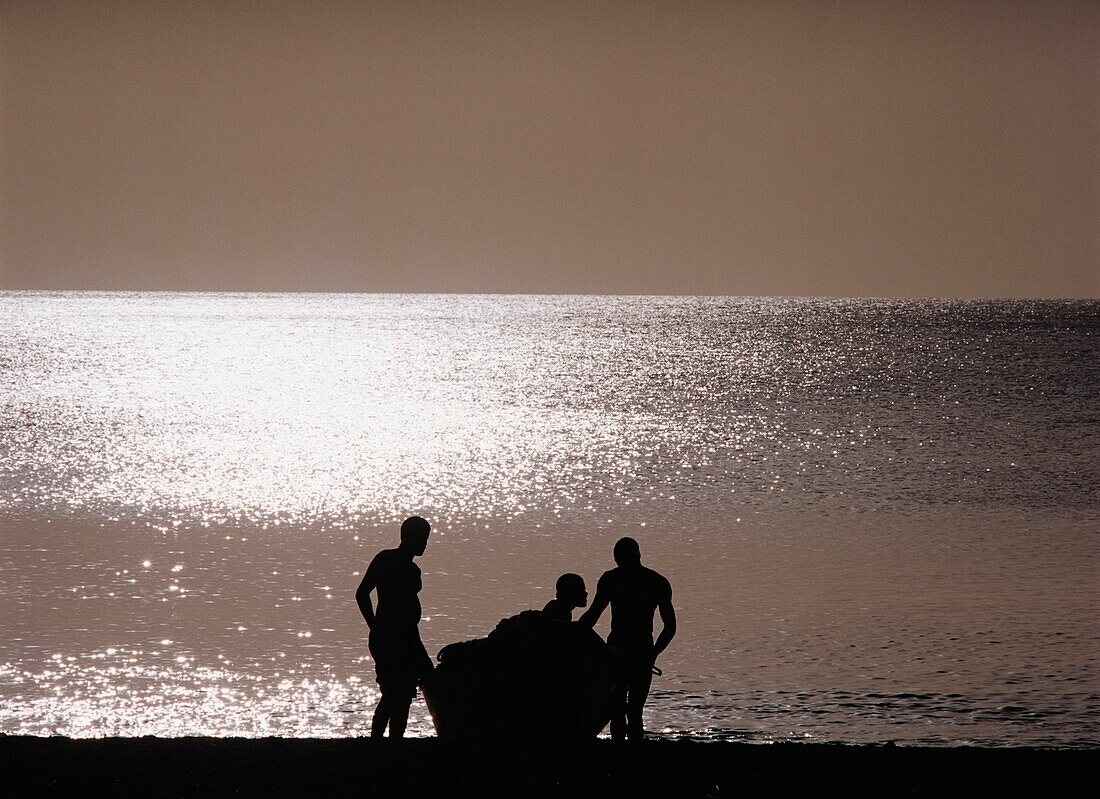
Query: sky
{"type": "Point", "coordinates": [929, 149]}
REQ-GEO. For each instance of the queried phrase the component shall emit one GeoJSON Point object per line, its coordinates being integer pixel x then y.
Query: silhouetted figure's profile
{"type": "Point", "coordinates": [400, 660]}
{"type": "Point", "coordinates": [570, 592]}
{"type": "Point", "coordinates": [634, 593]}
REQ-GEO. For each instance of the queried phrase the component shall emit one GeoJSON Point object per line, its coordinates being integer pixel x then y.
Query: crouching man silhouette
{"type": "Point", "coordinates": [634, 593]}
{"type": "Point", "coordinates": [570, 592]}
{"type": "Point", "coordinates": [400, 660]}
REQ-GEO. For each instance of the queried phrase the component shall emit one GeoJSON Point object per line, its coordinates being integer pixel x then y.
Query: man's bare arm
{"type": "Point", "coordinates": [362, 598]}
{"type": "Point", "coordinates": [599, 605]}
{"type": "Point", "coordinates": [668, 618]}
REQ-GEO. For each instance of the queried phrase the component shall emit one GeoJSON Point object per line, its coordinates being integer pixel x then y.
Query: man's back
{"type": "Point", "coordinates": [635, 593]}
{"type": "Point", "coordinates": [557, 609]}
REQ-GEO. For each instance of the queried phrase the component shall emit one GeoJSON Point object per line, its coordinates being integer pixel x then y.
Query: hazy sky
{"type": "Point", "coordinates": [845, 148]}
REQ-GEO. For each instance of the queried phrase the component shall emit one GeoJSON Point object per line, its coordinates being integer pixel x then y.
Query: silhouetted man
{"type": "Point", "coordinates": [634, 593]}
{"type": "Point", "coordinates": [569, 592]}
{"type": "Point", "coordinates": [400, 660]}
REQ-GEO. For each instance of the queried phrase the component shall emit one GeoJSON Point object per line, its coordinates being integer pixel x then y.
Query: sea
{"type": "Point", "coordinates": [880, 518]}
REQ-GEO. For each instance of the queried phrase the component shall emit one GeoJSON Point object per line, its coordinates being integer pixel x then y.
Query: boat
{"type": "Point", "coordinates": [534, 676]}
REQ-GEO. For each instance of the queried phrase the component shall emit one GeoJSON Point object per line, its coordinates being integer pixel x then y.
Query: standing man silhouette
{"type": "Point", "coordinates": [634, 593]}
{"type": "Point", "coordinates": [400, 660]}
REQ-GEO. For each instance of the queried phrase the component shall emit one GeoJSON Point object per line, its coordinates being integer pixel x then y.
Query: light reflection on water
{"type": "Point", "coordinates": [138, 692]}
{"type": "Point", "coordinates": [880, 518]}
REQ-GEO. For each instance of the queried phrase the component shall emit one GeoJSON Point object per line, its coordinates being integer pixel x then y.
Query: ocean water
{"type": "Point", "coordinates": [881, 519]}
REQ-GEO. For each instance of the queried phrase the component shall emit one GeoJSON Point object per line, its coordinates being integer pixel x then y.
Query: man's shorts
{"type": "Point", "coordinates": [400, 661]}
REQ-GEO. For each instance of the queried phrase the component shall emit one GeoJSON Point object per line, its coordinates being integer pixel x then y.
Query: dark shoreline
{"type": "Point", "coordinates": [432, 767]}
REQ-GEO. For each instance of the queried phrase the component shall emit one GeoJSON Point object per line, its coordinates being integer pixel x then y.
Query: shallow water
{"type": "Point", "coordinates": [880, 518]}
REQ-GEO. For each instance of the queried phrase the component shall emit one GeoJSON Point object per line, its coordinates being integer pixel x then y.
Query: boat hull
{"type": "Point", "coordinates": [531, 678]}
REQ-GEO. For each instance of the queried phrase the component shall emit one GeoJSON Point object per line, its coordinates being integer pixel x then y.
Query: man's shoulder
{"type": "Point", "coordinates": [657, 579]}
{"type": "Point", "coordinates": [382, 559]}
{"type": "Point", "coordinates": [620, 573]}
{"type": "Point", "coordinates": [610, 576]}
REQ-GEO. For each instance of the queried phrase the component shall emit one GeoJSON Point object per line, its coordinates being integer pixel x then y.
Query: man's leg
{"type": "Point", "coordinates": [410, 663]}
{"type": "Point", "coordinates": [381, 718]}
{"type": "Point", "coordinates": [379, 654]}
{"type": "Point", "coordinates": [399, 717]}
{"type": "Point", "coordinates": [638, 692]}
{"type": "Point", "coordinates": [618, 710]}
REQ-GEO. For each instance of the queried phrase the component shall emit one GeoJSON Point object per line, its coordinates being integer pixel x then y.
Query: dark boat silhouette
{"type": "Point", "coordinates": [533, 676]}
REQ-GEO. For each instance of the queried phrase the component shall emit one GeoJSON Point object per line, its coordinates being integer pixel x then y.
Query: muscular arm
{"type": "Point", "coordinates": [362, 597]}
{"type": "Point", "coordinates": [599, 605]}
{"type": "Point", "coordinates": [668, 619]}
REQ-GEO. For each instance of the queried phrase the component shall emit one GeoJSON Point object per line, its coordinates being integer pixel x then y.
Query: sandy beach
{"type": "Point", "coordinates": [431, 767]}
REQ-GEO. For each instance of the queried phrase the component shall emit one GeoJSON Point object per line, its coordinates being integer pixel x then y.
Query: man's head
{"type": "Point", "coordinates": [414, 534]}
{"type": "Point", "coordinates": [570, 589]}
{"type": "Point", "coordinates": [627, 552]}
